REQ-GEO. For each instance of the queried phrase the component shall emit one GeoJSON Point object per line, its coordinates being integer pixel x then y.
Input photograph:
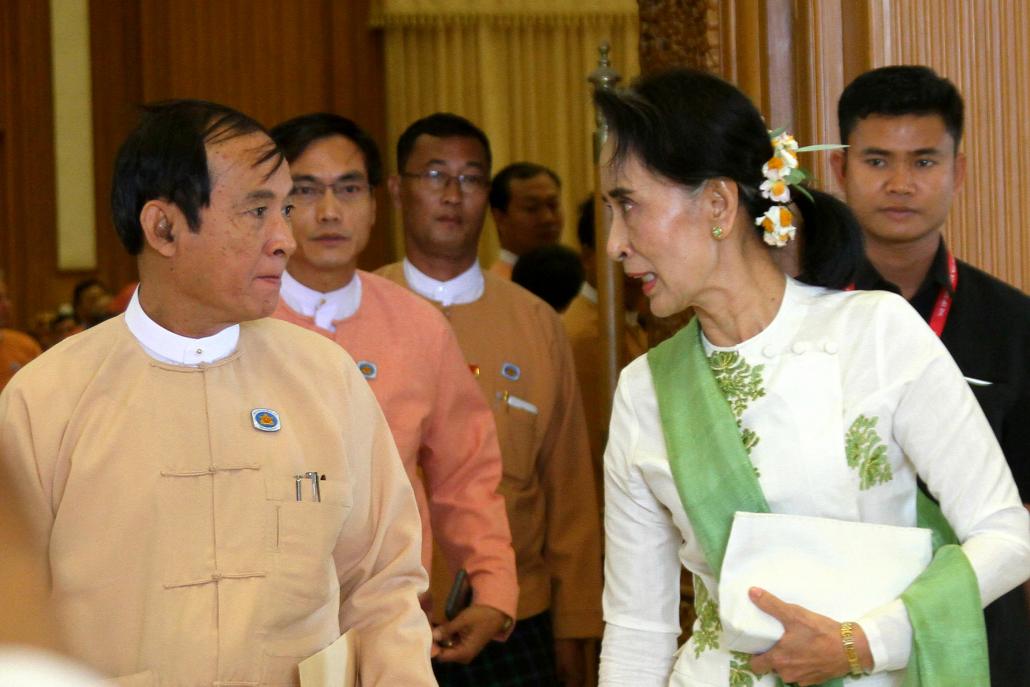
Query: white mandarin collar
{"type": "Point", "coordinates": [507, 257]}
{"type": "Point", "coordinates": [324, 308]}
{"type": "Point", "coordinates": [589, 292]}
{"type": "Point", "coordinates": [169, 347]}
{"type": "Point", "coordinates": [467, 287]}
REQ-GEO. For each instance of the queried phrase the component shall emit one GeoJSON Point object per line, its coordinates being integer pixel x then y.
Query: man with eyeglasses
{"type": "Point", "coordinates": [408, 354]}
{"type": "Point", "coordinates": [516, 348]}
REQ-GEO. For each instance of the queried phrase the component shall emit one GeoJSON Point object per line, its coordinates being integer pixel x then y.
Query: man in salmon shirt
{"type": "Point", "coordinates": [406, 350]}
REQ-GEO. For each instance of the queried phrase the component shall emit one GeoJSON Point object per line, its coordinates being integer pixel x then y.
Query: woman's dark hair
{"type": "Point", "coordinates": [831, 240]}
{"type": "Point", "coordinates": [688, 126]}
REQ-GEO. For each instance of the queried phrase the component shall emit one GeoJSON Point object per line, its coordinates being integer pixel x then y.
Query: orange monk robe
{"type": "Point", "coordinates": [438, 417]}
{"type": "Point", "coordinates": [16, 349]}
{"type": "Point", "coordinates": [525, 367]}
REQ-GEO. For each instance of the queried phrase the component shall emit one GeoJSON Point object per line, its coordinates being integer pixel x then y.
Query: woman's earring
{"type": "Point", "coordinates": [717, 232]}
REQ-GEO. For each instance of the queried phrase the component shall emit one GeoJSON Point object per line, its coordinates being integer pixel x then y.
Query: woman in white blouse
{"type": "Point", "coordinates": [839, 404]}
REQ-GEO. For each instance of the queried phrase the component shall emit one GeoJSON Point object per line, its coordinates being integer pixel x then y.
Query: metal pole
{"type": "Point", "coordinates": [609, 275]}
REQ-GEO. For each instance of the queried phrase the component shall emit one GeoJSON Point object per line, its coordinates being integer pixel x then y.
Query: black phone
{"type": "Point", "coordinates": [460, 596]}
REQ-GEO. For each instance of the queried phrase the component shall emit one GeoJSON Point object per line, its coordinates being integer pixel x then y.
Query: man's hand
{"type": "Point", "coordinates": [810, 650]}
{"type": "Point", "coordinates": [461, 639]}
{"type": "Point", "coordinates": [577, 662]}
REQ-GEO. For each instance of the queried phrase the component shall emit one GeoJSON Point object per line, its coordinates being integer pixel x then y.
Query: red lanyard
{"type": "Point", "coordinates": [941, 308]}
{"type": "Point", "coordinates": [939, 314]}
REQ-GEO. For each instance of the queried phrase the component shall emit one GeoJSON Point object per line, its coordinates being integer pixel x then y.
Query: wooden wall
{"type": "Point", "coordinates": [269, 58]}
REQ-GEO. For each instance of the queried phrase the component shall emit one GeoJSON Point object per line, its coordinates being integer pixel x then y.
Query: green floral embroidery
{"type": "Point", "coordinates": [740, 383]}
{"type": "Point", "coordinates": [740, 670]}
{"type": "Point", "coordinates": [867, 453]}
{"type": "Point", "coordinates": [706, 636]}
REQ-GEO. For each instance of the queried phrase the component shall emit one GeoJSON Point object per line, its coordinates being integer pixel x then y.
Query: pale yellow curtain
{"type": "Point", "coordinates": [516, 69]}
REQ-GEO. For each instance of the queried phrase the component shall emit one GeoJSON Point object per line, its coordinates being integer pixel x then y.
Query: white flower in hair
{"type": "Point", "coordinates": [777, 167]}
{"type": "Point", "coordinates": [777, 226]}
{"type": "Point", "coordinates": [776, 190]}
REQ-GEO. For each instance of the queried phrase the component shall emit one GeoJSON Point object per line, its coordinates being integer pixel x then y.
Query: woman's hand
{"type": "Point", "coordinates": [810, 650]}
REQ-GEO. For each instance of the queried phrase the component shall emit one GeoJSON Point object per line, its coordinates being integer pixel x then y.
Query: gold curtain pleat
{"type": "Point", "coordinates": [522, 82]}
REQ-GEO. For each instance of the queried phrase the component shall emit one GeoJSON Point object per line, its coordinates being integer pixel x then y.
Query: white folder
{"type": "Point", "coordinates": [836, 568]}
{"type": "Point", "coordinates": [334, 666]}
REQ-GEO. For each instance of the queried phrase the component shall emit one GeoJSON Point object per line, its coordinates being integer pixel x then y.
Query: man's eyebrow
{"type": "Point", "coordinates": [871, 150]}
{"type": "Point", "coordinates": [347, 176]}
{"type": "Point", "coordinates": [471, 163]}
{"type": "Point", "coordinates": [619, 193]}
{"type": "Point", "coordinates": [260, 194]}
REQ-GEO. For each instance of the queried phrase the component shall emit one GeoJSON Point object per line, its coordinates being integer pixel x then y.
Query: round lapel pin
{"type": "Point", "coordinates": [265, 419]}
{"type": "Point", "coordinates": [511, 371]}
{"type": "Point", "coordinates": [368, 369]}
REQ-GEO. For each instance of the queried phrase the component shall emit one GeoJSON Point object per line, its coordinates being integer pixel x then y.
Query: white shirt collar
{"type": "Point", "coordinates": [590, 293]}
{"type": "Point", "coordinates": [467, 287]}
{"type": "Point", "coordinates": [324, 308]}
{"type": "Point", "coordinates": [169, 347]}
{"type": "Point", "coordinates": [507, 257]}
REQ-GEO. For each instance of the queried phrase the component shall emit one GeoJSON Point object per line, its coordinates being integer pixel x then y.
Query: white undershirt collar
{"type": "Point", "coordinates": [174, 349]}
{"type": "Point", "coordinates": [324, 308]}
{"type": "Point", "coordinates": [507, 257]}
{"type": "Point", "coordinates": [467, 287]}
{"type": "Point", "coordinates": [590, 293]}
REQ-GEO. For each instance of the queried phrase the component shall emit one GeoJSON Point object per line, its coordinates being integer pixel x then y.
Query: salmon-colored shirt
{"type": "Point", "coordinates": [516, 344]}
{"type": "Point", "coordinates": [16, 350]}
{"type": "Point", "coordinates": [441, 424]}
{"type": "Point", "coordinates": [178, 552]}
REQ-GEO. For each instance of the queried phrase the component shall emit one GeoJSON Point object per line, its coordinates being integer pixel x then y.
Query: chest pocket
{"type": "Point", "coordinates": [300, 538]}
{"type": "Point", "coordinates": [517, 431]}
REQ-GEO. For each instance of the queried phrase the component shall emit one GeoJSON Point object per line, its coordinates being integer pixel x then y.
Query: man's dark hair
{"type": "Point", "coordinates": [585, 225]}
{"type": "Point", "coordinates": [900, 90]}
{"type": "Point", "coordinates": [81, 288]}
{"type": "Point", "coordinates": [440, 125]}
{"type": "Point", "coordinates": [553, 273]}
{"type": "Point", "coordinates": [500, 187]}
{"type": "Point", "coordinates": [166, 157]}
{"type": "Point", "coordinates": [295, 135]}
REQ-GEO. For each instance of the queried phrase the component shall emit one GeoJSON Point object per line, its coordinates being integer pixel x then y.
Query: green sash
{"type": "Point", "coordinates": [715, 479]}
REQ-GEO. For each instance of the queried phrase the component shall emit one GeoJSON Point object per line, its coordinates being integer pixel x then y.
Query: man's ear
{"type": "Point", "coordinates": [159, 222]}
{"type": "Point", "coordinates": [960, 171]}
{"type": "Point", "coordinates": [839, 165]}
{"type": "Point", "coordinates": [393, 185]}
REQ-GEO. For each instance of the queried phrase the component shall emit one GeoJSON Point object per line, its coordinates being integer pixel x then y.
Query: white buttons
{"type": "Point", "coordinates": [769, 351]}
{"type": "Point", "coordinates": [799, 347]}
{"type": "Point", "coordinates": [199, 351]}
{"type": "Point", "coordinates": [830, 347]}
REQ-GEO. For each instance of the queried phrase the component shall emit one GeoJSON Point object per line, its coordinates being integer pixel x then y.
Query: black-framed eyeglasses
{"type": "Point", "coordinates": [437, 180]}
{"type": "Point", "coordinates": [345, 190]}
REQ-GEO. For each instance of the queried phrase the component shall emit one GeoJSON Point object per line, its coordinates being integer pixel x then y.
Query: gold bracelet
{"type": "Point", "coordinates": [847, 637]}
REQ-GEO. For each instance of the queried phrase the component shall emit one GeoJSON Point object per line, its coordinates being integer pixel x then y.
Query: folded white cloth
{"type": "Point", "coordinates": [836, 568]}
